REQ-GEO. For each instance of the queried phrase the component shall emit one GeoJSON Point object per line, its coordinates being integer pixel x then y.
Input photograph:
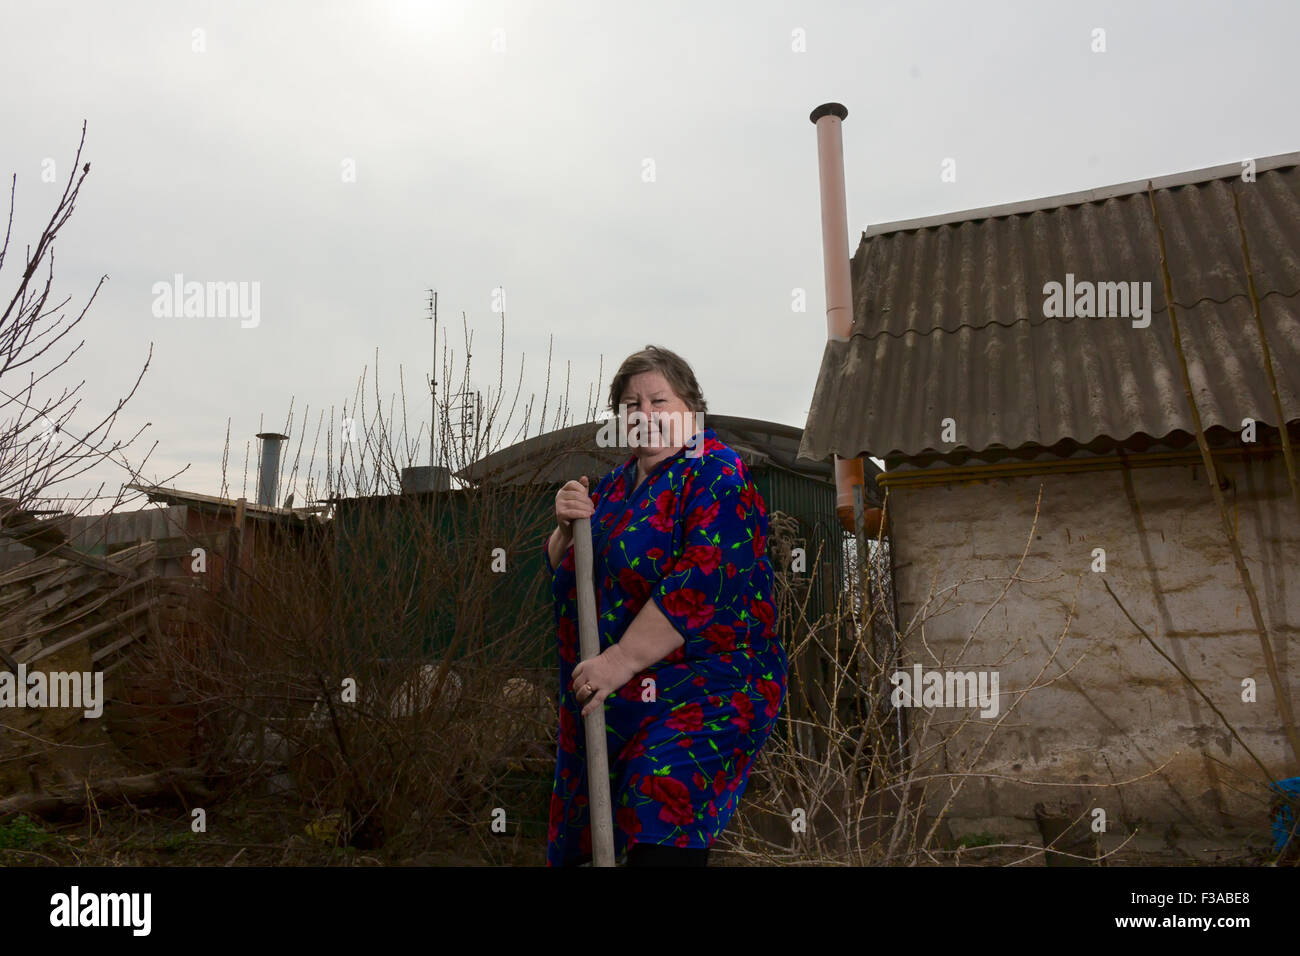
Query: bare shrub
{"type": "Point", "coordinates": [854, 780]}
{"type": "Point", "coordinates": [386, 661]}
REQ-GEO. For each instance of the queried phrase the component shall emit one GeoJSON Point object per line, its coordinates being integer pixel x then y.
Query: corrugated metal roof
{"type": "Point", "coordinates": [949, 321]}
{"type": "Point", "coordinates": [178, 496]}
{"type": "Point", "coordinates": [557, 456]}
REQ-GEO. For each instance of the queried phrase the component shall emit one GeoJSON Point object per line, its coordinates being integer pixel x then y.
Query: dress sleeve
{"type": "Point", "coordinates": [566, 563]}
{"type": "Point", "coordinates": [707, 592]}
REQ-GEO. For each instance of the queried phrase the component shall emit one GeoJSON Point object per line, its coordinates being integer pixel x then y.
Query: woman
{"type": "Point", "coordinates": [691, 673]}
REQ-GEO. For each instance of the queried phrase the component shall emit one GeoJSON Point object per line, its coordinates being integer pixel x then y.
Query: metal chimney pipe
{"type": "Point", "coordinates": [828, 118]}
{"type": "Point", "coordinates": [268, 478]}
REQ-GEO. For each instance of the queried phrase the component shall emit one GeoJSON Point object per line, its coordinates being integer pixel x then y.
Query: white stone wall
{"type": "Point", "coordinates": [1122, 712]}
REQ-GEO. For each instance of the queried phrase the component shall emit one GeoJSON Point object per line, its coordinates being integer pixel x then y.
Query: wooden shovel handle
{"type": "Point", "coordinates": [599, 807]}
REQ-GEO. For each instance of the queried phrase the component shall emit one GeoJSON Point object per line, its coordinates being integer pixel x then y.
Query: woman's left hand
{"type": "Point", "coordinates": [605, 673]}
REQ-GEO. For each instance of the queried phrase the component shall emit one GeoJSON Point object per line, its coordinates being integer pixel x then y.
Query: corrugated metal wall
{"type": "Point", "coordinates": [379, 551]}
{"type": "Point", "coordinates": [812, 503]}
{"type": "Point", "coordinates": [375, 530]}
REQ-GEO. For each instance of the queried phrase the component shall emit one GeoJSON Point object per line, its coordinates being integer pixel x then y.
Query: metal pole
{"type": "Point", "coordinates": [599, 805]}
{"type": "Point", "coordinates": [433, 376]}
{"type": "Point", "coordinates": [433, 382]}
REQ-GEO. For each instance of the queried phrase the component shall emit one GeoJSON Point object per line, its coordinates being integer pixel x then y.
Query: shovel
{"type": "Point", "coordinates": [599, 808]}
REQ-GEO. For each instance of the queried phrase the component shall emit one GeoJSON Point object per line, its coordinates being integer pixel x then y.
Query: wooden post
{"type": "Point", "coordinates": [864, 579]}
{"type": "Point", "coordinates": [234, 560]}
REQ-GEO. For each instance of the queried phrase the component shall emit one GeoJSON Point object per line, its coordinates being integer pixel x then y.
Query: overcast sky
{"type": "Point", "coordinates": [628, 173]}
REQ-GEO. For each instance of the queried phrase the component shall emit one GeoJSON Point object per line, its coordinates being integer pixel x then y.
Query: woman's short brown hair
{"type": "Point", "coordinates": [670, 365]}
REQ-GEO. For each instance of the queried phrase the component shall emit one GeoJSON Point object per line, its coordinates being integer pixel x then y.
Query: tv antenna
{"type": "Point", "coordinates": [433, 372]}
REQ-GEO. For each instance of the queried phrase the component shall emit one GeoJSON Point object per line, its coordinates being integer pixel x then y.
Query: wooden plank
{"type": "Point", "coordinates": [87, 634]}
{"type": "Point", "coordinates": [81, 612]}
{"type": "Point", "coordinates": [181, 548]}
{"type": "Point", "coordinates": [181, 585]}
{"type": "Point", "coordinates": [36, 568]}
{"type": "Point", "coordinates": [60, 575]}
{"type": "Point", "coordinates": [89, 560]}
{"type": "Point", "coordinates": [14, 595]}
{"type": "Point", "coordinates": [117, 645]}
{"type": "Point", "coordinates": [87, 589]}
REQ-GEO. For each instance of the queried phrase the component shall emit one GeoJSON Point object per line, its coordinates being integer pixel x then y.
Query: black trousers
{"type": "Point", "coordinates": [655, 854]}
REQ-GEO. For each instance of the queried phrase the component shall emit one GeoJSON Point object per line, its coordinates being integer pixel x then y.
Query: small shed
{"type": "Point", "coordinates": [803, 490]}
{"type": "Point", "coordinates": [518, 484]}
{"type": "Point", "coordinates": [983, 375]}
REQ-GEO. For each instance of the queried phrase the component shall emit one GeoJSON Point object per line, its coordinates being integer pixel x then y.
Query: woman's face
{"type": "Point", "coordinates": [657, 421]}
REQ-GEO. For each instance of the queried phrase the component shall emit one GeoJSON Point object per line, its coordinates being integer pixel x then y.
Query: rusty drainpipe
{"type": "Point", "coordinates": [835, 259]}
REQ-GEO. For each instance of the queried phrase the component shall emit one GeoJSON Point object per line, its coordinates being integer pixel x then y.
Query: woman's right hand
{"type": "Point", "coordinates": [573, 501]}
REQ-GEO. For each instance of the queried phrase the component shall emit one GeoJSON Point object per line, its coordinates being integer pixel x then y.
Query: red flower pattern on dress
{"type": "Point", "coordinates": [706, 557]}
{"type": "Point", "coordinates": [568, 634]}
{"type": "Point", "coordinates": [627, 820]}
{"type": "Point", "coordinates": [568, 730]}
{"type": "Point", "coordinates": [722, 637]}
{"type": "Point", "coordinates": [674, 796]}
{"type": "Point", "coordinates": [635, 585]}
{"type": "Point", "coordinates": [745, 710]}
{"type": "Point", "coordinates": [676, 656]}
{"type": "Point", "coordinates": [742, 765]}
{"type": "Point", "coordinates": [666, 503]}
{"type": "Point", "coordinates": [771, 692]}
{"type": "Point", "coordinates": [633, 748]}
{"type": "Point", "coordinates": [690, 604]}
{"type": "Point", "coordinates": [688, 718]}
{"type": "Point", "coordinates": [701, 517]}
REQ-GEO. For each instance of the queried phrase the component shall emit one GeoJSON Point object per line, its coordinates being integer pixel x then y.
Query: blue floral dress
{"type": "Point", "coordinates": [692, 538]}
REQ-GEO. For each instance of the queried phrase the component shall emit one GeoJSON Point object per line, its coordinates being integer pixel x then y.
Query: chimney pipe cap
{"type": "Point", "coordinates": [828, 109]}
{"type": "Point", "coordinates": [273, 435]}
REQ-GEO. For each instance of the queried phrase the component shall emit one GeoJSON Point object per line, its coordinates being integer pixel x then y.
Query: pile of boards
{"type": "Point", "coordinates": [67, 612]}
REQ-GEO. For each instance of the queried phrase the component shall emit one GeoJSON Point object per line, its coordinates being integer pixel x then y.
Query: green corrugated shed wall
{"type": "Point", "coordinates": [382, 530]}
{"type": "Point", "coordinates": [812, 503]}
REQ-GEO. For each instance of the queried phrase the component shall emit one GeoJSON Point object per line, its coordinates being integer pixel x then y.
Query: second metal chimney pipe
{"type": "Point", "coordinates": [268, 477]}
